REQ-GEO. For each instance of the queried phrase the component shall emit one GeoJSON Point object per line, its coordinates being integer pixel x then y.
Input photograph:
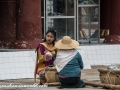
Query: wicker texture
{"type": "Point", "coordinates": [51, 75]}
{"type": "Point", "coordinates": [110, 76]}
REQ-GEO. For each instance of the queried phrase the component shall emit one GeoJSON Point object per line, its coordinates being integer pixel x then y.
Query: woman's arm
{"type": "Point", "coordinates": [40, 56]}
{"type": "Point", "coordinates": [35, 70]}
{"type": "Point", "coordinates": [39, 59]}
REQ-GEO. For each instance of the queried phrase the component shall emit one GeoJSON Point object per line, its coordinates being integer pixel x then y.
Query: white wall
{"type": "Point", "coordinates": [100, 54]}
{"type": "Point", "coordinates": [20, 64]}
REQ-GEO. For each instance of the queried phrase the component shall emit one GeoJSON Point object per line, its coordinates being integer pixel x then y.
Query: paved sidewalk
{"type": "Point", "coordinates": [87, 75]}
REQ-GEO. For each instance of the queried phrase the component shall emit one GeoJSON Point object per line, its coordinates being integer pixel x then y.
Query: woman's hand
{"type": "Point", "coordinates": [41, 73]}
{"type": "Point", "coordinates": [45, 51]}
{"type": "Point", "coordinates": [47, 56]}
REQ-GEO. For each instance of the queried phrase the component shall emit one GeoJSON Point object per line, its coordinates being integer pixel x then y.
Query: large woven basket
{"type": "Point", "coordinates": [110, 76]}
{"type": "Point", "coordinates": [51, 75]}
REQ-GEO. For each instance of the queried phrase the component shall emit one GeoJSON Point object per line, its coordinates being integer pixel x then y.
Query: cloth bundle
{"type": "Point", "coordinates": [47, 56]}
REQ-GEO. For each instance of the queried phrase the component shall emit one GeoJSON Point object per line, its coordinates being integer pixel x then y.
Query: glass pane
{"type": "Point", "coordinates": [62, 26]}
{"type": "Point", "coordinates": [84, 2]}
{"type": "Point", "coordinates": [88, 22]}
{"type": "Point", "coordinates": [83, 23]}
{"type": "Point", "coordinates": [94, 22]}
{"type": "Point", "coordinates": [42, 27]}
{"type": "Point", "coordinates": [42, 8]}
{"type": "Point", "coordinates": [60, 7]}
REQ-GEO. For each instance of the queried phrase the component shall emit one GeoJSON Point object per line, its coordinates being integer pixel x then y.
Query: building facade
{"type": "Point", "coordinates": [23, 23]}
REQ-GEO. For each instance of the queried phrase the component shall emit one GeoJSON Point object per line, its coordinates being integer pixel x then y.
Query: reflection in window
{"type": "Point", "coordinates": [62, 26]}
{"type": "Point", "coordinates": [88, 22]}
{"type": "Point", "coordinates": [60, 7]}
{"type": "Point", "coordinates": [82, 2]}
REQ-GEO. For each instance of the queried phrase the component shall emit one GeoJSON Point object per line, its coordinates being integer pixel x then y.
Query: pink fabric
{"type": "Point", "coordinates": [47, 56]}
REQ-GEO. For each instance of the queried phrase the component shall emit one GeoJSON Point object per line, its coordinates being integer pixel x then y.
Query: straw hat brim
{"type": "Point", "coordinates": [72, 45]}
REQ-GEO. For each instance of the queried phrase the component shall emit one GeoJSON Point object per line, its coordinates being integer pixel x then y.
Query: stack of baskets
{"type": "Point", "coordinates": [110, 76]}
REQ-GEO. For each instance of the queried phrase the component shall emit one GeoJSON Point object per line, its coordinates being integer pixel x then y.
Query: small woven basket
{"type": "Point", "coordinates": [110, 76]}
{"type": "Point", "coordinates": [51, 75]}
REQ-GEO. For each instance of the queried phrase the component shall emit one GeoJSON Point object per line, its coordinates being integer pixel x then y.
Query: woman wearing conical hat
{"type": "Point", "coordinates": [68, 63]}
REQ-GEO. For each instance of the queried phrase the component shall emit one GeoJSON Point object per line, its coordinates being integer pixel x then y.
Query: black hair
{"type": "Point", "coordinates": [53, 32]}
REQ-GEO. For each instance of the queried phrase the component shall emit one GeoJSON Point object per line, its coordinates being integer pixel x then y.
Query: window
{"type": "Point", "coordinates": [77, 18]}
{"type": "Point", "coordinates": [88, 21]}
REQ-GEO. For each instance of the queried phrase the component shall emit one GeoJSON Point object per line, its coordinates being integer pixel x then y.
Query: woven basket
{"type": "Point", "coordinates": [110, 76]}
{"type": "Point", "coordinates": [51, 75]}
